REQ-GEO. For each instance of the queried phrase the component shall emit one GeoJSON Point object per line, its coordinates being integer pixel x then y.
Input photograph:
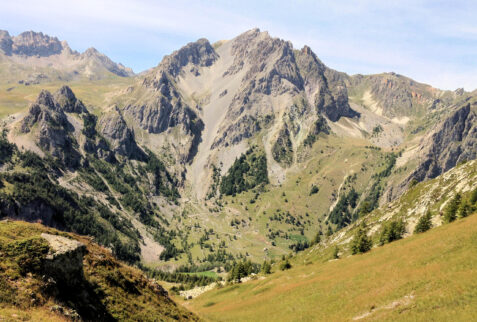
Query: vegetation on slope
{"type": "Point", "coordinates": [110, 290]}
{"type": "Point", "coordinates": [28, 193]}
{"type": "Point", "coordinates": [247, 172]}
{"type": "Point", "coordinates": [425, 277]}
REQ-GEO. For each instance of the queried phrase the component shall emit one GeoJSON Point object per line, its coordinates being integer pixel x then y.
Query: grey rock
{"type": "Point", "coordinates": [116, 68]}
{"type": "Point", "coordinates": [121, 138]}
{"type": "Point", "coordinates": [53, 134]}
{"type": "Point", "coordinates": [32, 43]}
{"type": "Point", "coordinates": [6, 42]}
{"type": "Point", "coordinates": [199, 53]}
{"type": "Point", "coordinates": [455, 141]}
{"type": "Point", "coordinates": [64, 262]}
{"type": "Point", "coordinates": [67, 100]}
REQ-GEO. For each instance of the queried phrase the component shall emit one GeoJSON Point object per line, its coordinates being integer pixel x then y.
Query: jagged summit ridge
{"type": "Point", "coordinates": [32, 50]}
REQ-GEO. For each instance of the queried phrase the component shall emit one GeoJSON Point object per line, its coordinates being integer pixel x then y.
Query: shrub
{"type": "Point", "coordinates": [314, 189]}
{"type": "Point", "coordinates": [285, 265]}
{"type": "Point", "coordinates": [336, 253]}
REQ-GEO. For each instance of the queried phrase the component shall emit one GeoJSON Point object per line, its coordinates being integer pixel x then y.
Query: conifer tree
{"type": "Point", "coordinates": [361, 242]}
{"type": "Point", "coordinates": [464, 210]}
{"type": "Point", "coordinates": [266, 268]}
{"type": "Point", "coordinates": [451, 210]}
{"type": "Point", "coordinates": [424, 223]}
{"type": "Point", "coordinates": [336, 253]}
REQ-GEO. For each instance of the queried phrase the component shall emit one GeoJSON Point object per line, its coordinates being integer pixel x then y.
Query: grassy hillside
{"type": "Point", "coordinates": [430, 276]}
{"type": "Point", "coordinates": [112, 289]}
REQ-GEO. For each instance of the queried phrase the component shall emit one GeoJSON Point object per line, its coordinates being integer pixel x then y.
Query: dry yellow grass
{"type": "Point", "coordinates": [427, 277]}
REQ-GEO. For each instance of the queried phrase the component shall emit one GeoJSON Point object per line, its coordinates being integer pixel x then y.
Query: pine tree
{"type": "Point", "coordinates": [266, 268]}
{"type": "Point", "coordinates": [361, 243]}
{"type": "Point", "coordinates": [424, 223]}
{"type": "Point", "coordinates": [473, 197]}
{"type": "Point", "coordinates": [451, 210]}
{"type": "Point", "coordinates": [464, 210]}
{"type": "Point", "coordinates": [336, 253]}
{"type": "Point", "coordinates": [392, 231]}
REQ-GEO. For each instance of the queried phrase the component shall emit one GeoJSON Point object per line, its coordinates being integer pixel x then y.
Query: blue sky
{"type": "Point", "coordinates": [431, 41]}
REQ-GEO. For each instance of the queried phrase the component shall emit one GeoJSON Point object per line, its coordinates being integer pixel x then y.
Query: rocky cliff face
{"type": "Point", "coordinates": [61, 126]}
{"type": "Point", "coordinates": [196, 54]}
{"type": "Point", "coordinates": [120, 137]}
{"type": "Point", "coordinates": [393, 95]}
{"type": "Point", "coordinates": [68, 102]}
{"type": "Point", "coordinates": [324, 87]}
{"type": "Point", "coordinates": [454, 141]}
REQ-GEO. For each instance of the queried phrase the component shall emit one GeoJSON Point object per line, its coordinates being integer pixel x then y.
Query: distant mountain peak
{"type": "Point", "coordinates": [47, 49]}
{"type": "Point", "coordinates": [31, 43]}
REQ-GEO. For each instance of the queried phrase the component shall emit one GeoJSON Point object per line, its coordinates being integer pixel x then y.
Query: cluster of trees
{"type": "Point", "coordinates": [392, 231]}
{"type": "Point", "coordinates": [371, 201]}
{"type": "Point", "coordinates": [69, 211]}
{"type": "Point", "coordinates": [247, 172]}
{"type": "Point", "coordinates": [242, 269]}
{"type": "Point", "coordinates": [299, 246]}
{"type": "Point", "coordinates": [282, 150]}
{"type": "Point", "coordinates": [343, 213]}
{"type": "Point", "coordinates": [460, 207]}
{"type": "Point", "coordinates": [164, 183]}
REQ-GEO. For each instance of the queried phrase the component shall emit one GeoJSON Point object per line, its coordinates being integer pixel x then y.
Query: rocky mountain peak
{"type": "Point", "coordinates": [199, 53]}
{"type": "Point", "coordinates": [68, 101]}
{"type": "Point", "coordinates": [6, 42]}
{"type": "Point", "coordinates": [45, 98]}
{"type": "Point", "coordinates": [32, 43]}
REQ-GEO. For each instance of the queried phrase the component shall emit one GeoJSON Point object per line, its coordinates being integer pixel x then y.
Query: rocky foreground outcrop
{"type": "Point", "coordinates": [64, 262]}
{"type": "Point", "coordinates": [57, 276]}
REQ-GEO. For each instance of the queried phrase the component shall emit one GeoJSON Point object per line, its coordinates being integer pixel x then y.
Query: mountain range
{"type": "Point", "coordinates": [240, 150]}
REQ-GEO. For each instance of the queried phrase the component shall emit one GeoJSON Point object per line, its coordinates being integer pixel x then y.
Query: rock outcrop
{"type": "Point", "coordinates": [454, 141]}
{"type": "Point", "coordinates": [197, 54]}
{"type": "Point", "coordinates": [325, 88]}
{"type": "Point", "coordinates": [121, 138]}
{"type": "Point", "coordinates": [94, 58]}
{"type": "Point", "coordinates": [64, 262]}
{"type": "Point", "coordinates": [68, 102]}
{"type": "Point", "coordinates": [51, 129]}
